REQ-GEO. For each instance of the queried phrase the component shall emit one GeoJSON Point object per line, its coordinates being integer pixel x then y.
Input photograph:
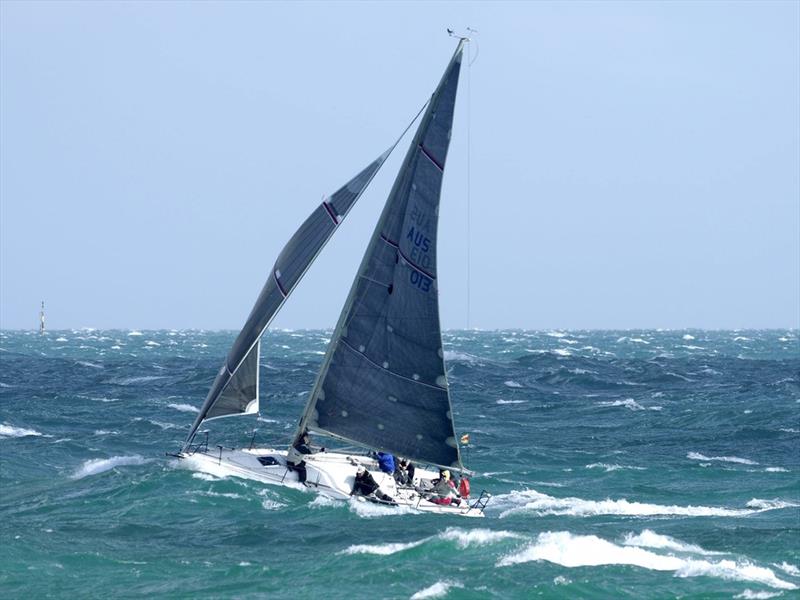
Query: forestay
{"type": "Point", "coordinates": [235, 389]}
{"type": "Point", "coordinates": [383, 381]}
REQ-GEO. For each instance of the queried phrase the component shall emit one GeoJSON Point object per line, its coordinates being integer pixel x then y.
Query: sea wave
{"type": "Point", "coordinates": [9, 431]}
{"type": "Point", "coordinates": [613, 467]}
{"type": "Point", "coordinates": [730, 459]}
{"type": "Point", "coordinates": [95, 466]}
{"type": "Point", "coordinates": [763, 505]}
{"type": "Point", "coordinates": [762, 595]}
{"type": "Point", "coordinates": [650, 539]}
{"type": "Point", "coordinates": [463, 538]}
{"type": "Point", "coordinates": [628, 403]}
{"type": "Point", "coordinates": [137, 380]}
{"type": "Point", "coordinates": [531, 501]}
{"type": "Point", "coordinates": [381, 549]}
{"type": "Point", "coordinates": [571, 550]}
{"type": "Point", "coordinates": [92, 365]}
{"type": "Point", "coordinates": [184, 408]}
{"type": "Point", "coordinates": [371, 510]}
{"type": "Point", "coordinates": [437, 590]}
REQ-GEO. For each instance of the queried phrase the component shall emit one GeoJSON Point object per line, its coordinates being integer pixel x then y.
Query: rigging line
{"type": "Point", "coordinates": [469, 204]}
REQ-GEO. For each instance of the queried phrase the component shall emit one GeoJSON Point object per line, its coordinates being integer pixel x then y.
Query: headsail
{"type": "Point", "coordinates": [383, 381]}
{"type": "Point", "coordinates": [235, 390]}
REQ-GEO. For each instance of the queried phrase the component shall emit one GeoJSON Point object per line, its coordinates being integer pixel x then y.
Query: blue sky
{"type": "Point", "coordinates": [633, 164]}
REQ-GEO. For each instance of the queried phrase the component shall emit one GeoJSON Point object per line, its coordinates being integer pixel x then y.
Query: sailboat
{"type": "Point", "coordinates": [382, 386]}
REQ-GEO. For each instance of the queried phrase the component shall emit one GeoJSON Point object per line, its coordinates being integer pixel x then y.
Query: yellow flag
{"type": "Point", "coordinates": [465, 438]}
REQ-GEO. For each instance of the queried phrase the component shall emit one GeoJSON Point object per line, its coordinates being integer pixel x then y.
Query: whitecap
{"type": "Point", "coordinates": [184, 407]}
{"type": "Point", "coordinates": [650, 539]}
{"type": "Point", "coordinates": [570, 550]}
{"type": "Point", "coordinates": [556, 334]}
{"type": "Point", "coordinates": [751, 595]}
{"type": "Point", "coordinates": [151, 343]}
{"type": "Point", "coordinates": [512, 384]}
{"type": "Point", "coordinates": [466, 538]}
{"type": "Point", "coordinates": [628, 403]}
{"type": "Point", "coordinates": [613, 467]}
{"type": "Point", "coordinates": [371, 510]}
{"type": "Point", "coordinates": [730, 459]}
{"type": "Point", "coordinates": [381, 549]}
{"type": "Point", "coordinates": [787, 568]}
{"type": "Point", "coordinates": [86, 363]}
{"type": "Point", "coordinates": [134, 333]}
{"type": "Point", "coordinates": [453, 355]}
{"type": "Point", "coordinates": [463, 538]}
{"type": "Point", "coordinates": [325, 502]}
{"type": "Point", "coordinates": [9, 431]}
{"type": "Point", "coordinates": [95, 466]}
{"type": "Point", "coordinates": [205, 476]}
{"type": "Point", "coordinates": [531, 501]}
{"type": "Point", "coordinates": [164, 425]}
{"type": "Point", "coordinates": [561, 352]}
{"type": "Point", "coordinates": [688, 337]}
{"type": "Point", "coordinates": [776, 470]}
{"type": "Point", "coordinates": [212, 494]}
{"type": "Point", "coordinates": [764, 505]}
{"type": "Point", "coordinates": [61, 339]}
{"type": "Point", "coordinates": [437, 590]}
{"type": "Point", "coordinates": [139, 379]}
{"type": "Point", "coordinates": [501, 401]}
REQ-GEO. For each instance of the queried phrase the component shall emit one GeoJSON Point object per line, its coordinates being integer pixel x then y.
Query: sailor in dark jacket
{"type": "Point", "coordinates": [365, 485]}
{"type": "Point", "coordinates": [294, 459]}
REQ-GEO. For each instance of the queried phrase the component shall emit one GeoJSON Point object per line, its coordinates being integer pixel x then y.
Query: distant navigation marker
{"type": "Point", "coordinates": [41, 320]}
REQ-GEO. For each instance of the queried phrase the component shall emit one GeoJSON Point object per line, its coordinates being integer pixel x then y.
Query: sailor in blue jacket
{"type": "Point", "coordinates": [386, 462]}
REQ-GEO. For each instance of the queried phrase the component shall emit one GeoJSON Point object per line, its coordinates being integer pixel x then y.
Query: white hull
{"type": "Point", "coordinates": [329, 474]}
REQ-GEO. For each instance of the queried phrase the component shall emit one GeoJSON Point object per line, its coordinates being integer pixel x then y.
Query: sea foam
{"type": "Point", "coordinates": [437, 590]}
{"type": "Point", "coordinates": [730, 459]}
{"type": "Point", "coordinates": [650, 539]}
{"type": "Point", "coordinates": [9, 431]}
{"type": "Point", "coordinates": [100, 465]}
{"type": "Point", "coordinates": [569, 550]}
{"type": "Point", "coordinates": [463, 538]}
{"type": "Point", "coordinates": [531, 501]}
{"type": "Point", "coordinates": [184, 407]}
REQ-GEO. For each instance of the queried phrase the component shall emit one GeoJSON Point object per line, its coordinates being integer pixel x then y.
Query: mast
{"type": "Point", "coordinates": [382, 383]}
{"type": "Point", "coordinates": [41, 320]}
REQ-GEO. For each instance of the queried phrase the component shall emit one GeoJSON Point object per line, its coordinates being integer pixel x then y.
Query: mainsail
{"type": "Point", "coordinates": [383, 382]}
{"type": "Point", "coordinates": [235, 389]}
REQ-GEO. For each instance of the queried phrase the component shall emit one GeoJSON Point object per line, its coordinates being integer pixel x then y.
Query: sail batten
{"type": "Point", "coordinates": [383, 382]}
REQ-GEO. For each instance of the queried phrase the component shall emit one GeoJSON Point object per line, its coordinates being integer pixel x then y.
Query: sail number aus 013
{"type": "Point", "coordinates": [419, 246]}
{"type": "Point", "coordinates": [420, 281]}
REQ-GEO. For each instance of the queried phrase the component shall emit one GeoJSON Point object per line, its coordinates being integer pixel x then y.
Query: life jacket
{"type": "Point", "coordinates": [463, 487]}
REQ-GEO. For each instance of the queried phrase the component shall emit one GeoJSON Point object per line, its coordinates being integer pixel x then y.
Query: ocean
{"type": "Point", "coordinates": [622, 464]}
